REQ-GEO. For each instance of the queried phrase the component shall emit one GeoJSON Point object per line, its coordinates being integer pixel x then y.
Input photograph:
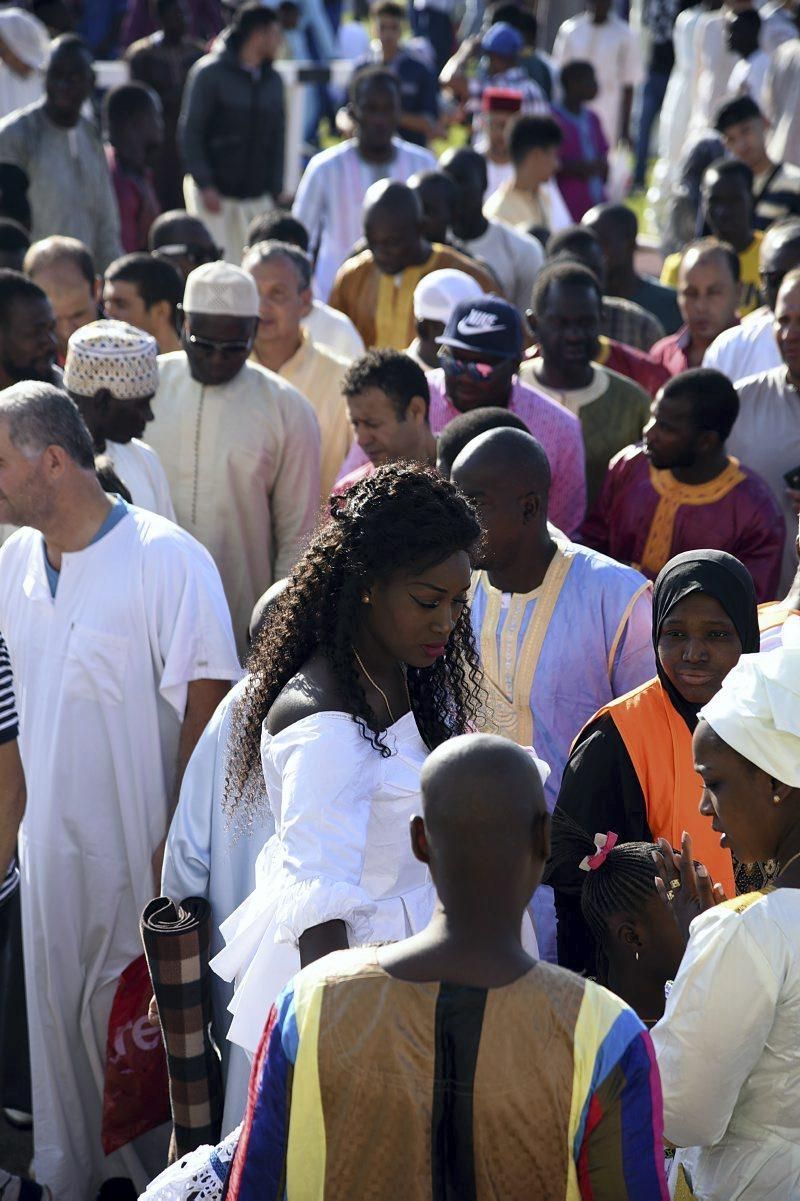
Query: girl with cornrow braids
{"type": "Point", "coordinates": [638, 944]}
{"type": "Point", "coordinates": [366, 665]}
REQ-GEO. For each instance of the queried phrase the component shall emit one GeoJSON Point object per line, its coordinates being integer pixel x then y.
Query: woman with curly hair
{"type": "Point", "coordinates": [366, 665]}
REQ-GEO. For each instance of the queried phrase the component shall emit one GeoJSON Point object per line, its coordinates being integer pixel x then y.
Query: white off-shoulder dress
{"type": "Point", "coordinates": [341, 850]}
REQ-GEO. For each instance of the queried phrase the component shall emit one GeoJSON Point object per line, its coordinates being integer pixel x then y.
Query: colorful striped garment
{"type": "Point", "coordinates": [365, 1086]}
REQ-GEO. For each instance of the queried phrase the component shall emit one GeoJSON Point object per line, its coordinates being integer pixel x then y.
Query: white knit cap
{"type": "Point", "coordinates": [437, 294]}
{"type": "Point", "coordinates": [221, 289]}
{"type": "Point", "coordinates": [113, 355]}
{"type": "Point", "coordinates": [26, 36]}
{"type": "Point", "coordinates": [757, 710]}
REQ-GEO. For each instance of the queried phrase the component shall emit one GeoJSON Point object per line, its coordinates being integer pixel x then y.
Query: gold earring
{"type": "Point", "coordinates": [776, 800]}
{"type": "Point", "coordinates": [365, 600]}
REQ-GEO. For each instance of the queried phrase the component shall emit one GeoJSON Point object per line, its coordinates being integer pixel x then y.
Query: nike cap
{"type": "Point", "coordinates": [489, 325]}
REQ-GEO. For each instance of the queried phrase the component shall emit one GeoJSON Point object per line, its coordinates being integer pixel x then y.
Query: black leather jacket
{"type": "Point", "coordinates": [232, 125]}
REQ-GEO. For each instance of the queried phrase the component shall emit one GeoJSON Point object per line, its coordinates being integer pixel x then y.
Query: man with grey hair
{"type": "Point", "coordinates": [282, 275]}
{"type": "Point", "coordinates": [122, 647]}
{"type": "Point", "coordinates": [239, 445]}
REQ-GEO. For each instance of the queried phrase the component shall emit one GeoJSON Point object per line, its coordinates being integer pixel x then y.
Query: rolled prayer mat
{"type": "Point", "coordinates": [176, 944]}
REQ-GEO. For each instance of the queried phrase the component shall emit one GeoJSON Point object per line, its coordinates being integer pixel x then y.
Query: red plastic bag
{"type": "Point", "coordinates": [136, 1092]}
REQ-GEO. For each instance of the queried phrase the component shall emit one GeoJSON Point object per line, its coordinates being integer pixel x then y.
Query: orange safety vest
{"type": "Point", "coordinates": [660, 747]}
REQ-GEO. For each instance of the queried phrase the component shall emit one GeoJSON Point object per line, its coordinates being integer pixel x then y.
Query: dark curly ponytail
{"type": "Point", "coordinates": [401, 516]}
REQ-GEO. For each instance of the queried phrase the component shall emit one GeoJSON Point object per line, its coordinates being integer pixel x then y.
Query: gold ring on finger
{"type": "Point", "coordinates": [670, 894]}
{"type": "Point", "coordinates": [674, 883]}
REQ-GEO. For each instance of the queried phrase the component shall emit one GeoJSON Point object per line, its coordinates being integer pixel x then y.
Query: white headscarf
{"type": "Point", "coordinates": [757, 710]}
{"type": "Point", "coordinates": [26, 36]}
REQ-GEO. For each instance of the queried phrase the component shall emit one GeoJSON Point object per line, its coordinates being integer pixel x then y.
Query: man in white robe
{"type": "Point", "coordinates": [240, 446]}
{"type": "Point", "coordinates": [111, 373]}
{"type": "Point", "coordinates": [122, 647]}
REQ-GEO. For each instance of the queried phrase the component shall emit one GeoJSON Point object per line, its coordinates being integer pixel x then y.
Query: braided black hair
{"type": "Point", "coordinates": [623, 883]}
{"type": "Point", "coordinates": [401, 516]}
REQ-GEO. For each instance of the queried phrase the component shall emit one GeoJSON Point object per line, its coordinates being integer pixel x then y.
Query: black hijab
{"type": "Point", "coordinates": [719, 575]}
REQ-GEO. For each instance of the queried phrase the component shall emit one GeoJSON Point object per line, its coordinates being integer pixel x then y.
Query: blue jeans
{"type": "Point", "coordinates": [653, 92]}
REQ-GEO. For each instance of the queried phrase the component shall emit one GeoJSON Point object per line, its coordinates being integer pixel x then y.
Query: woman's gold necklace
{"type": "Point", "coordinates": [378, 688]}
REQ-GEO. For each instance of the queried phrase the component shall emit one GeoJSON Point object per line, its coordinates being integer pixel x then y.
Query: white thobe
{"type": "Point", "coordinates": [328, 327]}
{"type": "Point", "coordinates": [329, 197]}
{"type": "Point", "coordinates": [614, 50]}
{"type": "Point", "coordinates": [716, 64]}
{"type": "Point", "coordinates": [140, 469]}
{"type": "Point", "coordinates": [243, 464]}
{"type": "Point", "coordinates": [102, 673]}
{"type": "Point", "coordinates": [745, 349]}
{"type": "Point", "coordinates": [516, 258]}
{"type": "Point", "coordinates": [17, 91]}
{"type": "Point", "coordinates": [207, 856]}
{"type": "Point", "coordinates": [318, 374]}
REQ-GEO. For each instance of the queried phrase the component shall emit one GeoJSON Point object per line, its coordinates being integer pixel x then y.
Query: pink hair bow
{"type": "Point", "coordinates": [605, 843]}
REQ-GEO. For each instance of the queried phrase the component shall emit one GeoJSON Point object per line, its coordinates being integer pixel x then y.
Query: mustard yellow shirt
{"type": "Point", "coordinates": [748, 270]}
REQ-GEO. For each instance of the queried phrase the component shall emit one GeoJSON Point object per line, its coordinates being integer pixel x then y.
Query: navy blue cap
{"type": "Point", "coordinates": [502, 38]}
{"type": "Point", "coordinates": [489, 325]}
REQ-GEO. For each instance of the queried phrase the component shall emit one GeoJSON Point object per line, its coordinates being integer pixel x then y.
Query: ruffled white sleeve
{"type": "Point", "coordinates": [329, 775]}
{"type": "Point", "coordinates": [310, 870]}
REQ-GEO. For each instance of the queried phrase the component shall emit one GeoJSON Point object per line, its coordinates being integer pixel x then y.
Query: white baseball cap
{"type": "Point", "coordinates": [437, 294]}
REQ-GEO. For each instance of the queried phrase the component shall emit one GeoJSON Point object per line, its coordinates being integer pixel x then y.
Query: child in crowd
{"type": "Point", "coordinates": [584, 149]}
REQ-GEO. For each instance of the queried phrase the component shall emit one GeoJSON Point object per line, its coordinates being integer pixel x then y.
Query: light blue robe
{"type": "Point", "coordinates": [598, 645]}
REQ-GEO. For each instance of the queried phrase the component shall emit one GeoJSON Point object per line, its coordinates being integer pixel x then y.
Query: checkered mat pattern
{"type": "Point", "coordinates": [176, 943]}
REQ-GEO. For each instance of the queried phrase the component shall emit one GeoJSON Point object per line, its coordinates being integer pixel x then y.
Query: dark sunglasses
{"type": "Point", "coordinates": [477, 371]}
{"type": "Point", "coordinates": [210, 345]}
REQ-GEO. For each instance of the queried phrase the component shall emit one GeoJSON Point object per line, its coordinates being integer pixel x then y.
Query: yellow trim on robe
{"type": "Point", "coordinates": [598, 1012]}
{"type": "Point", "coordinates": [742, 904]}
{"type": "Point", "coordinates": [658, 547]}
{"type": "Point", "coordinates": [509, 674]}
{"type": "Point", "coordinates": [306, 1147]}
{"type": "Point", "coordinates": [612, 654]}
{"type": "Point", "coordinates": [395, 301]}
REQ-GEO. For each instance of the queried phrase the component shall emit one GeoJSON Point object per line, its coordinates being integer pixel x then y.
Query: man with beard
{"type": "Point", "coordinates": [480, 354]}
{"type": "Point", "coordinates": [334, 183]}
{"type": "Point", "coordinates": [565, 319]}
{"type": "Point", "coordinates": [122, 648]}
{"type": "Point", "coordinates": [240, 446]}
{"type": "Point", "coordinates": [27, 332]}
{"type": "Point", "coordinates": [682, 491]}
{"type": "Point", "coordinates": [61, 153]}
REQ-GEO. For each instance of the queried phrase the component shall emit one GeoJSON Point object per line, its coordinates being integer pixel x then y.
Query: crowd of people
{"type": "Point", "coordinates": [399, 568]}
